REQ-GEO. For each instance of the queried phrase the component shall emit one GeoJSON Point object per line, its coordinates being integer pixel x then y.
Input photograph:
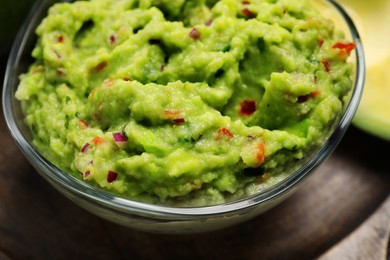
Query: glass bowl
{"type": "Point", "coordinates": [158, 218]}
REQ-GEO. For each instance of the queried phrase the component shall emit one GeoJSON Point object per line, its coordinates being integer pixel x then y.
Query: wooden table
{"type": "Point", "coordinates": [342, 210]}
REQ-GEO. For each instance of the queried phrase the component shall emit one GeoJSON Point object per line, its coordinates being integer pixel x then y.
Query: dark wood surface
{"type": "Point", "coordinates": [341, 202]}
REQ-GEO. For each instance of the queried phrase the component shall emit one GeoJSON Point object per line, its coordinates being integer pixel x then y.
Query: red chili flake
{"type": "Point", "coordinates": [326, 64]}
{"type": "Point", "coordinates": [304, 98]}
{"type": "Point", "coordinates": [248, 107]}
{"type": "Point", "coordinates": [85, 148]}
{"type": "Point", "coordinates": [171, 113]}
{"type": "Point", "coordinates": [60, 39]}
{"type": "Point", "coordinates": [60, 72]}
{"type": "Point", "coordinates": [224, 132]}
{"type": "Point", "coordinates": [57, 54]}
{"type": "Point", "coordinates": [179, 120]}
{"type": "Point", "coordinates": [263, 178]}
{"type": "Point", "coordinates": [260, 155]}
{"type": "Point", "coordinates": [248, 13]}
{"type": "Point", "coordinates": [83, 124]}
{"type": "Point", "coordinates": [345, 48]}
{"type": "Point", "coordinates": [110, 82]}
{"type": "Point", "coordinates": [37, 70]}
{"type": "Point", "coordinates": [315, 93]}
{"type": "Point", "coordinates": [321, 42]}
{"type": "Point", "coordinates": [111, 176]}
{"type": "Point", "coordinates": [100, 66]}
{"type": "Point", "coordinates": [194, 34]}
{"type": "Point", "coordinates": [245, 2]}
{"type": "Point", "coordinates": [97, 140]}
{"type": "Point", "coordinates": [112, 39]}
{"type": "Point", "coordinates": [127, 79]}
{"type": "Point", "coordinates": [209, 22]}
{"type": "Point", "coordinates": [93, 91]}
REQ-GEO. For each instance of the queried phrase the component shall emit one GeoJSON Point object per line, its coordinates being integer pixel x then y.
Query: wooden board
{"type": "Point", "coordinates": [336, 205]}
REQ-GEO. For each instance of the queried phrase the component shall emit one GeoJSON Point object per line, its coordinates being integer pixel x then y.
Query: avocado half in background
{"type": "Point", "coordinates": [12, 15]}
{"type": "Point", "coordinates": [373, 21]}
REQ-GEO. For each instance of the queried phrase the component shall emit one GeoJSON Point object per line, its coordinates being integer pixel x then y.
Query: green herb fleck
{"type": "Point", "coordinates": [67, 121]}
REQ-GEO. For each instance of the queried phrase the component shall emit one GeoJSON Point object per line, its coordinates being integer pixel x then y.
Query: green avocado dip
{"type": "Point", "coordinates": [183, 103]}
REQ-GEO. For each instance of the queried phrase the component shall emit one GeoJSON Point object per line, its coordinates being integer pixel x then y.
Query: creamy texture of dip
{"type": "Point", "coordinates": [183, 102]}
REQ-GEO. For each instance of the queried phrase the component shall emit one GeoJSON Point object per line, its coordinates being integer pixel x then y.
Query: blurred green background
{"type": "Point", "coordinates": [12, 15]}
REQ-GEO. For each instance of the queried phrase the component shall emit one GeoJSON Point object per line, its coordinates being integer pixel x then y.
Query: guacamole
{"type": "Point", "coordinates": [183, 102]}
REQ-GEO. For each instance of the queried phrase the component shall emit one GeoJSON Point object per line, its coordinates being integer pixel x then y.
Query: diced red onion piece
{"type": "Point", "coordinates": [248, 107]}
{"type": "Point", "coordinates": [85, 147]}
{"type": "Point", "coordinates": [111, 176]}
{"type": "Point", "coordinates": [119, 137]}
{"type": "Point", "coordinates": [248, 13]}
{"type": "Point", "coordinates": [179, 120]}
{"type": "Point", "coordinates": [194, 34]}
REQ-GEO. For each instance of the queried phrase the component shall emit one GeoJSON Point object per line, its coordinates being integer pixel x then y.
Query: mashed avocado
{"type": "Point", "coordinates": [183, 102]}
